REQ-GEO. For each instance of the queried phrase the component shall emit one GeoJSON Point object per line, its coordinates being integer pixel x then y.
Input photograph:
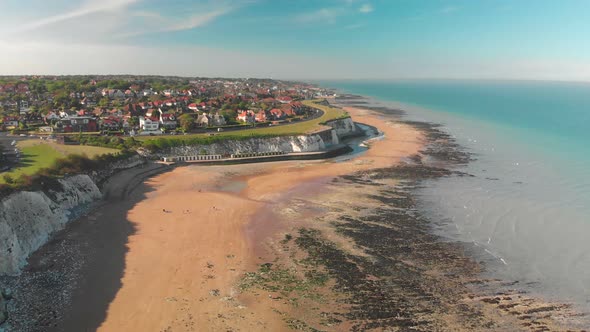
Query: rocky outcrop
{"type": "Point", "coordinates": [343, 127]}
{"type": "Point", "coordinates": [27, 219]}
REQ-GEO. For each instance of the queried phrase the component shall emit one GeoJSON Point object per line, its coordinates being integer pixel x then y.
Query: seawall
{"type": "Point", "coordinates": [320, 140]}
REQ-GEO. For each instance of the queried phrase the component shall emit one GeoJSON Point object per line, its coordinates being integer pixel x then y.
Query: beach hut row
{"type": "Point", "coordinates": [256, 154]}
{"type": "Point", "coordinates": [193, 158]}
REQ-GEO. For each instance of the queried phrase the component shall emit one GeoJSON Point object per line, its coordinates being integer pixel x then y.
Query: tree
{"type": "Point", "coordinates": [133, 121]}
{"type": "Point", "coordinates": [8, 179]}
{"type": "Point", "coordinates": [103, 102]}
{"type": "Point", "coordinates": [186, 122]}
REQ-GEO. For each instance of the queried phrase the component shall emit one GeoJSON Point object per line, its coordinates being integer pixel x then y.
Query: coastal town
{"type": "Point", "coordinates": [147, 106]}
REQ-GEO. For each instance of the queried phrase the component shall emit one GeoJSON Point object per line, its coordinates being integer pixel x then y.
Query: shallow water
{"type": "Point", "coordinates": [528, 206]}
{"type": "Point", "coordinates": [357, 144]}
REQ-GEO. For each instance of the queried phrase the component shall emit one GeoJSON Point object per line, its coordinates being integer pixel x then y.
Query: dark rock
{"type": "Point", "coordinates": [3, 310]}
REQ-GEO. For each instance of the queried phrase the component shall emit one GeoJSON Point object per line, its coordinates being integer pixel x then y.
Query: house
{"type": "Point", "coordinates": [288, 110]}
{"type": "Point", "coordinates": [74, 124]}
{"type": "Point", "coordinates": [99, 112]}
{"type": "Point", "coordinates": [8, 88]}
{"type": "Point", "coordinates": [218, 120]}
{"type": "Point", "coordinates": [66, 114]}
{"type": "Point", "coordinates": [147, 92]}
{"type": "Point", "coordinates": [116, 112]}
{"type": "Point", "coordinates": [51, 117]}
{"type": "Point", "coordinates": [277, 114]}
{"type": "Point", "coordinates": [86, 101]}
{"type": "Point", "coordinates": [118, 94]}
{"type": "Point", "coordinates": [153, 113]}
{"type": "Point", "coordinates": [23, 107]}
{"type": "Point", "coordinates": [110, 124]}
{"type": "Point", "coordinates": [149, 124]}
{"type": "Point", "coordinates": [10, 122]}
{"type": "Point", "coordinates": [269, 101]}
{"type": "Point", "coordinates": [246, 116]}
{"type": "Point", "coordinates": [168, 121]}
{"type": "Point", "coordinates": [285, 99]}
{"type": "Point", "coordinates": [170, 93]}
{"type": "Point", "coordinates": [33, 119]}
{"type": "Point", "coordinates": [22, 88]}
{"type": "Point", "coordinates": [193, 107]}
{"type": "Point", "coordinates": [261, 116]}
{"type": "Point", "coordinates": [203, 120]}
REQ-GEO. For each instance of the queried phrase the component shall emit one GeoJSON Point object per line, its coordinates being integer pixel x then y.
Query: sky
{"type": "Point", "coordinates": [299, 39]}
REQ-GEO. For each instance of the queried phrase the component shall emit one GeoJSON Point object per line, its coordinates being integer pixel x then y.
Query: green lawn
{"type": "Point", "coordinates": [36, 155]}
{"type": "Point", "coordinates": [33, 158]}
{"type": "Point", "coordinates": [297, 128]}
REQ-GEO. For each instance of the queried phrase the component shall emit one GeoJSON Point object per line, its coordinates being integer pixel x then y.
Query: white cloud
{"type": "Point", "coordinates": [197, 20]}
{"type": "Point", "coordinates": [88, 8]}
{"type": "Point", "coordinates": [159, 23]}
{"type": "Point", "coordinates": [111, 21]}
{"type": "Point", "coordinates": [366, 8]}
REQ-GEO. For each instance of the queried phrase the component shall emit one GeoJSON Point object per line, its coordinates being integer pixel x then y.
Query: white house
{"type": "Point", "coordinates": [147, 124]}
{"type": "Point", "coordinates": [50, 117]}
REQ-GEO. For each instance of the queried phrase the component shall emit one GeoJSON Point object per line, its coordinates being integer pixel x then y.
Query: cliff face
{"type": "Point", "coordinates": [102, 175]}
{"type": "Point", "coordinates": [303, 143]}
{"type": "Point", "coordinates": [343, 127]}
{"type": "Point", "coordinates": [27, 219]}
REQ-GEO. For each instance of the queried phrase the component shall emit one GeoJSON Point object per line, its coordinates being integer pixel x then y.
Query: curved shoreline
{"type": "Point", "coordinates": [175, 254]}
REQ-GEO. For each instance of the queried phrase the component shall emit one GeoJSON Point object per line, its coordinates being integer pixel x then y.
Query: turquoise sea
{"type": "Point", "coordinates": [527, 210]}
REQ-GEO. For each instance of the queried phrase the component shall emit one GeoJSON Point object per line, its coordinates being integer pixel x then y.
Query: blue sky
{"type": "Point", "coordinates": [320, 39]}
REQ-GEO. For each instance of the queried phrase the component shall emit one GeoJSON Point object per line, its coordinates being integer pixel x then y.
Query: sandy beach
{"type": "Point", "coordinates": [194, 239]}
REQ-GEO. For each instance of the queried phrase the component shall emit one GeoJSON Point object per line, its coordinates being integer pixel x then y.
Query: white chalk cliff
{"type": "Point", "coordinates": [27, 219]}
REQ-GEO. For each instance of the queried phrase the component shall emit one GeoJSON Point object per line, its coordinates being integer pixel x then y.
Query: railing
{"type": "Point", "coordinates": [220, 157]}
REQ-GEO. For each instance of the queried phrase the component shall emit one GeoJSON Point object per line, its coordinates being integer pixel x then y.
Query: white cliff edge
{"type": "Point", "coordinates": [27, 219]}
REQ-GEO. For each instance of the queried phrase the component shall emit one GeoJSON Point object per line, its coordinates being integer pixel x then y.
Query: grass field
{"type": "Point", "coordinates": [297, 128]}
{"type": "Point", "coordinates": [36, 154]}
